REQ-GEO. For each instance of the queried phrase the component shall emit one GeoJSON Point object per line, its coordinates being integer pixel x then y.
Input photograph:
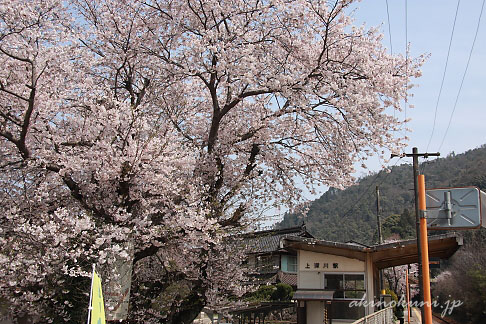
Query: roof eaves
{"type": "Point", "coordinates": [324, 243]}
{"type": "Point", "coordinates": [385, 246]}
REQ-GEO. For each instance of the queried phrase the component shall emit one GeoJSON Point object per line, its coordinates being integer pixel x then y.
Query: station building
{"type": "Point", "coordinates": [331, 275]}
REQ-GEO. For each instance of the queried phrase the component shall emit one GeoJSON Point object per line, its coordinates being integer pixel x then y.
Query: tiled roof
{"type": "Point", "coordinates": [281, 276]}
{"type": "Point", "coordinates": [288, 278]}
{"type": "Point", "coordinates": [269, 241]}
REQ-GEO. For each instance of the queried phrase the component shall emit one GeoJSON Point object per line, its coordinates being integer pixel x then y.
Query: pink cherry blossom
{"type": "Point", "coordinates": [172, 125]}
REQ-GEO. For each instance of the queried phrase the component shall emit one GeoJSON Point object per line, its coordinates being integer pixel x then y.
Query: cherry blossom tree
{"type": "Point", "coordinates": [170, 124]}
{"type": "Point", "coordinates": [396, 278]}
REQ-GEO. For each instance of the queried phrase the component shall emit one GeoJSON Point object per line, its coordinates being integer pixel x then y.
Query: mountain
{"type": "Point", "coordinates": [350, 214]}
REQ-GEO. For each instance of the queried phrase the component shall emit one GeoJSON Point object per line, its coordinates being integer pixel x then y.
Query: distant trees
{"type": "Point", "coordinates": [465, 280]}
{"type": "Point", "coordinates": [338, 213]}
{"type": "Point", "coordinates": [402, 226]}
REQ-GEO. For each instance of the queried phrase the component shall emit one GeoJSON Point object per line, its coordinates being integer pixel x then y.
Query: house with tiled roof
{"type": "Point", "coordinates": [268, 262]}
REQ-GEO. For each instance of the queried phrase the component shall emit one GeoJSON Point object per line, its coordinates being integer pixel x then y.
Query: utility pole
{"type": "Point", "coordinates": [415, 156]}
{"type": "Point", "coordinates": [425, 252]}
{"type": "Point", "coordinates": [380, 237]}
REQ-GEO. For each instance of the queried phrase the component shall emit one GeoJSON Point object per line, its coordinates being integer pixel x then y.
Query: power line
{"type": "Point", "coordinates": [443, 75]}
{"type": "Point", "coordinates": [464, 75]}
{"type": "Point", "coordinates": [406, 62]}
{"type": "Point", "coordinates": [391, 43]}
{"type": "Point", "coordinates": [365, 192]}
{"type": "Point", "coordinates": [389, 28]}
{"type": "Point", "coordinates": [424, 164]}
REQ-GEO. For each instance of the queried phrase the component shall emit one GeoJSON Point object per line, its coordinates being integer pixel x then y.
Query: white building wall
{"type": "Point", "coordinates": [311, 269]}
{"type": "Point", "coordinates": [315, 312]}
{"type": "Point", "coordinates": [310, 280]}
{"type": "Point", "coordinates": [313, 261]}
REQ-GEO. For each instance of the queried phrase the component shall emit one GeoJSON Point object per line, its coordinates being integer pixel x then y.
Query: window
{"type": "Point", "coordinates": [265, 264]}
{"type": "Point", "coordinates": [347, 286]}
{"type": "Point", "coordinates": [289, 263]}
{"type": "Point", "coordinates": [354, 286]}
{"type": "Point", "coordinates": [292, 263]}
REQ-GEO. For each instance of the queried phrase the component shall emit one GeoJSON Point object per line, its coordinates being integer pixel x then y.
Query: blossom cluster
{"type": "Point", "coordinates": [171, 124]}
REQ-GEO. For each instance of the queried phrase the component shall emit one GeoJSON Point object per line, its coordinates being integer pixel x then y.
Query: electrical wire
{"type": "Point", "coordinates": [391, 43]}
{"type": "Point", "coordinates": [367, 189]}
{"type": "Point", "coordinates": [443, 76]}
{"type": "Point", "coordinates": [389, 28]}
{"type": "Point", "coordinates": [423, 165]}
{"type": "Point", "coordinates": [463, 76]}
{"type": "Point", "coordinates": [406, 63]}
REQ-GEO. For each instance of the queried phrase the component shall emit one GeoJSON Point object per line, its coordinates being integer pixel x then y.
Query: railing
{"type": "Point", "coordinates": [384, 316]}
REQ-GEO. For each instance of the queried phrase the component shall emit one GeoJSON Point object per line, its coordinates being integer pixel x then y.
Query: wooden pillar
{"type": "Point", "coordinates": [301, 312]}
{"type": "Point", "coordinates": [369, 283]}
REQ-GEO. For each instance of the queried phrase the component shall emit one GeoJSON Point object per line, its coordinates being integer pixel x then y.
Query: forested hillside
{"type": "Point", "coordinates": [350, 214]}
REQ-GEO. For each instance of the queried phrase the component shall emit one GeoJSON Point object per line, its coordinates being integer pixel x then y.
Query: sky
{"type": "Point", "coordinates": [427, 26]}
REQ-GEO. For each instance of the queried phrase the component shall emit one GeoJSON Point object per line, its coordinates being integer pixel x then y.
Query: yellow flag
{"type": "Point", "coordinates": [97, 305]}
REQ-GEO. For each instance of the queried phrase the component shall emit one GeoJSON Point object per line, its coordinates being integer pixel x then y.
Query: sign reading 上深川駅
{"type": "Point", "coordinates": [454, 208]}
{"type": "Point", "coordinates": [314, 261]}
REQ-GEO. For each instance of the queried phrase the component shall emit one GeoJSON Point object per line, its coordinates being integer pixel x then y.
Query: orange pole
{"type": "Point", "coordinates": [424, 246]}
{"type": "Point", "coordinates": [408, 296]}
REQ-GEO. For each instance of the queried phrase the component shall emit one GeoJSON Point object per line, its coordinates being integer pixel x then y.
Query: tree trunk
{"type": "Point", "coordinates": [189, 309]}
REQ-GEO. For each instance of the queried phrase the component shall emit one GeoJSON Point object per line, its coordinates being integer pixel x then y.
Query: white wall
{"type": "Point", "coordinates": [326, 263]}
{"type": "Point", "coordinates": [312, 277]}
{"type": "Point", "coordinates": [310, 280]}
{"type": "Point", "coordinates": [315, 312]}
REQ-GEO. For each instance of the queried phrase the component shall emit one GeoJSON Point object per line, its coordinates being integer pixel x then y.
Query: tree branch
{"type": "Point", "coordinates": [234, 220]}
